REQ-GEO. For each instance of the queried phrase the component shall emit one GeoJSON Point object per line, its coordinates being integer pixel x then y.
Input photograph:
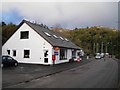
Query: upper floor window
{"type": "Point", "coordinates": [66, 39]}
{"type": "Point", "coordinates": [24, 34]}
{"type": "Point", "coordinates": [61, 38]}
{"type": "Point", "coordinates": [47, 34]}
{"type": "Point", "coordinates": [55, 36]}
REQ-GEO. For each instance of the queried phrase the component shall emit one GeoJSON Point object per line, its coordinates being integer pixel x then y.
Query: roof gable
{"type": "Point", "coordinates": [49, 35]}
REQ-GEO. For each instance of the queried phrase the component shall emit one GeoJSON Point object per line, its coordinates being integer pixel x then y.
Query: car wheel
{"type": "Point", "coordinates": [2, 65]}
{"type": "Point", "coordinates": [16, 64]}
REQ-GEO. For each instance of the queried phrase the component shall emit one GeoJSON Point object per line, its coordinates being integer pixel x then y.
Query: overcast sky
{"type": "Point", "coordinates": [64, 14]}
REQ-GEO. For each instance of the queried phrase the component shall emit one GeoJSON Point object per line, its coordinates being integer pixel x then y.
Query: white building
{"type": "Point", "coordinates": [36, 44]}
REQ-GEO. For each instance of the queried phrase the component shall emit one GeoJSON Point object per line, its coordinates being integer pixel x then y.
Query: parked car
{"type": "Point", "coordinates": [8, 61]}
{"type": "Point", "coordinates": [102, 55]}
{"type": "Point", "coordinates": [98, 56]}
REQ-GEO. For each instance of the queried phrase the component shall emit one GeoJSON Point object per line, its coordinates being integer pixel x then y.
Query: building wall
{"type": "Point", "coordinates": [36, 44]}
{"type": "Point", "coordinates": [57, 61]}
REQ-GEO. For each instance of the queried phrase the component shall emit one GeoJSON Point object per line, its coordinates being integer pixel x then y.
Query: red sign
{"type": "Point", "coordinates": [53, 57]}
{"type": "Point", "coordinates": [56, 48]}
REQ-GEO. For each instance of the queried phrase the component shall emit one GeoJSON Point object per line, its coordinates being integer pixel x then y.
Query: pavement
{"type": "Point", "coordinates": [25, 73]}
{"type": "Point", "coordinates": [95, 74]}
{"type": "Point", "coordinates": [119, 73]}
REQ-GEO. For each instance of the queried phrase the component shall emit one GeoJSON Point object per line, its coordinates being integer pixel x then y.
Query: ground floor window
{"type": "Point", "coordinates": [45, 53]}
{"type": "Point", "coordinates": [14, 52]}
{"type": "Point", "coordinates": [73, 53]}
{"type": "Point", "coordinates": [45, 56]}
{"type": "Point", "coordinates": [46, 60]}
{"type": "Point", "coordinates": [63, 54]}
{"type": "Point", "coordinates": [26, 53]}
{"type": "Point", "coordinates": [8, 51]}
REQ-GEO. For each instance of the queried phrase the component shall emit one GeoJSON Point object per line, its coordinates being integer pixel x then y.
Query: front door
{"type": "Point", "coordinates": [45, 56]}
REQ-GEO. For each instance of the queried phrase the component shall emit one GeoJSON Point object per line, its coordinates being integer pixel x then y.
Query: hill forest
{"type": "Point", "coordinates": [96, 39]}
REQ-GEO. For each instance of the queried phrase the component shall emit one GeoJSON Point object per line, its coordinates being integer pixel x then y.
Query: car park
{"type": "Point", "coordinates": [8, 61]}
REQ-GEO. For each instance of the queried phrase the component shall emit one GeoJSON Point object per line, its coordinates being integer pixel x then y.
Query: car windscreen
{"type": "Point", "coordinates": [9, 58]}
{"type": "Point", "coordinates": [3, 58]}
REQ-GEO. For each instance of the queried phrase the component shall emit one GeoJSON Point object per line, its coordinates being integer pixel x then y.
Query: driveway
{"type": "Point", "coordinates": [26, 72]}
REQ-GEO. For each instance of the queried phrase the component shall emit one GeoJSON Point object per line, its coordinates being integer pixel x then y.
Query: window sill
{"type": "Point", "coordinates": [26, 57]}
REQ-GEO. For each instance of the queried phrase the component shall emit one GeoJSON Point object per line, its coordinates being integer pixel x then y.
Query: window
{"type": "Point", "coordinates": [55, 36]}
{"type": "Point", "coordinates": [63, 54]}
{"type": "Point", "coordinates": [78, 53]}
{"type": "Point", "coordinates": [66, 39]}
{"type": "Point", "coordinates": [8, 51]}
{"type": "Point", "coordinates": [61, 38]}
{"type": "Point", "coordinates": [46, 60]}
{"type": "Point", "coordinates": [14, 52]}
{"type": "Point", "coordinates": [73, 53]}
{"type": "Point", "coordinates": [9, 58]}
{"type": "Point", "coordinates": [47, 34]}
{"type": "Point", "coordinates": [26, 53]}
{"type": "Point", "coordinates": [46, 53]}
{"type": "Point", "coordinates": [24, 34]}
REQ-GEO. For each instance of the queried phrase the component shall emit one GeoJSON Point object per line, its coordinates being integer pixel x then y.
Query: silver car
{"type": "Point", "coordinates": [98, 56]}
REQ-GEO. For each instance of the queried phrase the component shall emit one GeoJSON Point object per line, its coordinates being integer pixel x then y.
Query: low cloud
{"type": "Point", "coordinates": [67, 14]}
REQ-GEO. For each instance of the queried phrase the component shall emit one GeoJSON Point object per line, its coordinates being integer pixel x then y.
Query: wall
{"type": "Point", "coordinates": [36, 44]}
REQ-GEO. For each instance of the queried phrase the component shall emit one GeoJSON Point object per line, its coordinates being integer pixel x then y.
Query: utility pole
{"type": "Point", "coordinates": [106, 47]}
{"type": "Point", "coordinates": [97, 47]}
{"type": "Point", "coordinates": [102, 47]}
{"type": "Point", "coordinates": [94, 49]}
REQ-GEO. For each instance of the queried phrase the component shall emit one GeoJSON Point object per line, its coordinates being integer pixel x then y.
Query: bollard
{"type": "Point", "coordinates": [87, 57]}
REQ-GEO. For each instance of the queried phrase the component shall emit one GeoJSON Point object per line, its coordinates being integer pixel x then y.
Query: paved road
{"type": "Point", "coordinates": [119, 72]}
{"type": "Point", "coordinates": [96, 74]}
{"type": "Point", "coordinates": [27, 72]}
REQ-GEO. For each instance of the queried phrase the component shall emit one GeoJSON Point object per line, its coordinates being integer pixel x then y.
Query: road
{"type": "Point", "coordinates": [27, 72]}
{"type": "Point", "coordinates": [96, 74]}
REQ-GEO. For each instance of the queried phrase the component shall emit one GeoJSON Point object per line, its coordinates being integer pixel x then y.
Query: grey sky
{"type": "Point", "coordinates": [67, 14]}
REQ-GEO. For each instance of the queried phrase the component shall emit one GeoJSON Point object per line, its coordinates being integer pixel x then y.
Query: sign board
{"type": "Point", "coordinates": [55, 53]}
{"type": "Point", "coordinates": [56, 48]}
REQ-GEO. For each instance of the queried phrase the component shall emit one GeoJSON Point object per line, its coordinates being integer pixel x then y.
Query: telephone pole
{"type": "Point", "coordinates": [102, 47]}
{"type": "Point", "coordinates": [97, 47]}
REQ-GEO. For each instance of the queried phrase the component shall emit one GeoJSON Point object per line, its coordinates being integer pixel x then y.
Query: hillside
{"type": "Point", "coordinates": [90, 39]}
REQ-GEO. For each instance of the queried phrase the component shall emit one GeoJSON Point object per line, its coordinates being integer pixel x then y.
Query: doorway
{"type": "Point", "coordinates": [45, 56]}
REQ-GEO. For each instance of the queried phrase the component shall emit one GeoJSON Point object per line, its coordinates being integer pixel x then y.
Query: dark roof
{"type": "Point", "coordinates": [51, 39]}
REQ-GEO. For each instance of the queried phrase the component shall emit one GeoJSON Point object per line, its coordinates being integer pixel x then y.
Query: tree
{"type": "Point", "coordinates": [7, 31]}
{"type": "Point", "coordinates": [3, 23]}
